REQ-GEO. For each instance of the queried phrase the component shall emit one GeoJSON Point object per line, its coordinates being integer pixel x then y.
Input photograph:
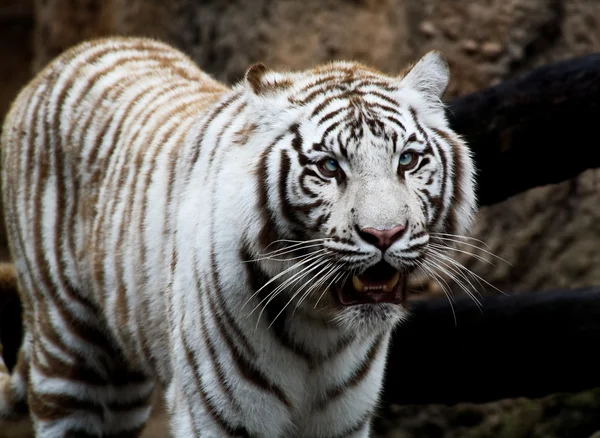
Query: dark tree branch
{"type": "Point", "coordinates": [536, 129]}
{"type": "Point", "coordinates": [525, 345]}
{"type": "Point", "coordinates": [11, 328]}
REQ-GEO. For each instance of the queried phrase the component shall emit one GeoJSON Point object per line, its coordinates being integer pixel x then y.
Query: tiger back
{"type": "Point", "coordinates": [246, 247]}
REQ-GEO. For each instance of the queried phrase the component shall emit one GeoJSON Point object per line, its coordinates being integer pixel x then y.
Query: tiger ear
{"type": "Point", "coordinates": [429, 76]}
{"type": "Point", "coordinates": [262, 81]}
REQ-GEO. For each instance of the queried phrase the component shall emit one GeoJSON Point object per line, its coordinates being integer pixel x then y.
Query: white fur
{"type": "Point", "coordinates": [215, 212]}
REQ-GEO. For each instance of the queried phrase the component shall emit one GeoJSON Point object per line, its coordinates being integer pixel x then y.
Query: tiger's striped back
{"type": "Point", "coordinates": [63, 147]}
{"type": "Point", "coordinates": [248, 247]}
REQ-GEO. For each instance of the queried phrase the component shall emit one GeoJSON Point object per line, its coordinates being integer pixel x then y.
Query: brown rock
{"type": "Point", "coordinates": [452, 27]}
{"type": "Point", "coordinates": [469, 46]}
{"type": "Point", "coordinates": [491, 49]}
{"type": "Point", "coordinates": [427, 28]}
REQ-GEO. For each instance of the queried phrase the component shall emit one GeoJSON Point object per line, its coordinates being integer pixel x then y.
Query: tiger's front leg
{"type": "Point", "coordinates": [184, 419]}
{"type": "Point", "coordinates": [79, 386]}
{"type": "Point", "coordinates": [199, 408]}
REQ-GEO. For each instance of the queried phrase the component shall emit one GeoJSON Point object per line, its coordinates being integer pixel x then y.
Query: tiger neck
{"type": "Point", "coordinates": [223, 215]}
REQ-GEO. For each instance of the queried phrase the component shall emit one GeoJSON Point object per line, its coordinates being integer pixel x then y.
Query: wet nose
{"type": "Point", "coordinates": [382, 239]}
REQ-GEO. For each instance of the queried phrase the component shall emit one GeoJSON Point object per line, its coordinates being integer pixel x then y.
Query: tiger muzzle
{"type": "Point", "coordinates": [380, 283]}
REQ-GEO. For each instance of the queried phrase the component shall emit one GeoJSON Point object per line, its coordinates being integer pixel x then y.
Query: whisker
{"type": "Point", "coordinates": [450, 248]}
{"type": "Point", "coordinates": [296, 242]}
{"type": "Point", "coordinates": [287, 282]}
{"type": "Point", "coordinates": [273, 257]}
{"type": "Point", "coordinates": [452, 272]}
{"type": "Point", "coordinates": [478, 277]}
{"type": "Point", "coordinates": [339, 275]}
{"type": "Point", "coordinates": [334, 268]}
{"type": "Point", "coordinates": [321, 280]}
{"type": "Point", "coordinates": [477, 247]}
{"type": "Point", "coordinates": [291, 299]}
{"type": "Point", "coordinates": [445, 286]}
{"type": "Point", "coordinates": [289, 249]}
{"type": "Point", "coordinates": [320, 277]}
{"type": "Point", "coordinates": [457, 267]}
{"type": "Point", "coordinates": [294, 279]}
{"type": "Point", "coordinates": [460, 236]}
{"type": "Point", "coordinates": [344, 278]}
{"type": "Point", "coordinates": [308, 259]}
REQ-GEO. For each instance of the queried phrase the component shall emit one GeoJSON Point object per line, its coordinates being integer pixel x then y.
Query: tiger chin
{"type": "Point", "coordinates": [247, 247]}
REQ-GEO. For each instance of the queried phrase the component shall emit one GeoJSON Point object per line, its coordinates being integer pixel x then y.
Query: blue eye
{"type": "Point", "coordinates": [408, 160]}
{"type": "Point", "coordinates": [329, 167]}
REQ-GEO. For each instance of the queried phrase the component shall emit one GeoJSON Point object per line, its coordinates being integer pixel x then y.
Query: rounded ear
{"type": "Point", "coordinates": [254, 76]}
{"type": "Point", "coordinates": [263, 81]}
{"type": "Point", "coordinates": [429, 76]}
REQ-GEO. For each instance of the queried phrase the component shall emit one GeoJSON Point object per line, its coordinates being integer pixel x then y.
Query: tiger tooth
{"type": "Point", "coordinates": [392, 283]}
{"type": "Point", "coordinates": [358, 285]}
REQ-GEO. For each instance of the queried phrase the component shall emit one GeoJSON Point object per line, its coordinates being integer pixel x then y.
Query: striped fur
{"type": "Point", "coordinates": [167, 228]}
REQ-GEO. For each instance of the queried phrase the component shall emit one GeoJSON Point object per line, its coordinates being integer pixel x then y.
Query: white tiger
{"type": "Point", "coordinates": [247, 247]}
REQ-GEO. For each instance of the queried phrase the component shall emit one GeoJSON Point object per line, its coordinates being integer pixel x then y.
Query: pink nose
{"type": "Point", "coordinates": [382, 239]}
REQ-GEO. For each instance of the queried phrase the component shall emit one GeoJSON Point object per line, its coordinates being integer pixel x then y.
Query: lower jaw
{"type": "Point", "coordinates": [347, 296]}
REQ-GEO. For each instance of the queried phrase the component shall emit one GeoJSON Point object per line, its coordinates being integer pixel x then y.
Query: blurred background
{"type": "Point", "coordinates": [550, 235]}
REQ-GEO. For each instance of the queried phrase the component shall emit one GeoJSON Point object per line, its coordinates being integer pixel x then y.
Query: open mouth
{"type": "Point", "coordinates": [380, 283]}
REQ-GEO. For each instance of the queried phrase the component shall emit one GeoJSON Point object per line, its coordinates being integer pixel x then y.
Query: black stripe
{"type": "Point", "coordinates": [253, 375]}
{"type": "Point", "coordinates": [257, 278]}
{"type": "Point", "coordinates": [79, 328]}
{"type": "Point", "coordinates": [52, 407]}
{"type": "Point", "coordinates": [334, 125]}
{"type": "Point", "coordinates": [457, 193]}
{"type": "Point", "coordinates": [193, 420]}
{"type": "Point", "coordinates": [342, 145]}
{"type": "Point", "coordinates": [269, 232]}
{"type": "Point", "coordinates": [374, 81]}
{"type": "Point", "coordinates": [120, 91]}
{"type": "Point", "coordinates": [326, 101]}
{"type": "Point", "coordinates": [321, 83]}
{"type": "Point", "coordinates": [355, 379]}
{"type": "Point", "coordinates": [244, 366]}
{"type": "Point", "coordinates": [221, 377]}
{"type": "Point", "coordinates": [438, 201]}
{"type": "Point", "coordinates": [424, 162]}
{"type": "Point", "coordinates": [382, 96]}
{"type": "Point", "coordinates": [213, 115]}
{"type": "Point", "coordinates": [80, 371]}
{"type": "Point", "coordinates": [348, 252]}
{"type": "Point", "coordinates": [316, 226]}
{"type": "Point", "coordinates": [394, 121]}
{"type": "Point", "coordinates": [224, 127]}
{"type": "Point", "coordinates": [287, 210]}
{"type": "Point", "coordinates": [413, 113]}
{"type": "Point", "coordinates": [225, 322]}
{"type": "Point", "coordinates": [331, 115]}
{"type": "Point", "coordinates": [211, 408]}
{"type": "Point", "coordinates": [304, 176]}
{"type": "Point", "coordinates": [351, 430]}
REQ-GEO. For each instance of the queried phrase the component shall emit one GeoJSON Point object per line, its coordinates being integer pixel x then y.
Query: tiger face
{"type": "Point", "coordinates": [368, 173]}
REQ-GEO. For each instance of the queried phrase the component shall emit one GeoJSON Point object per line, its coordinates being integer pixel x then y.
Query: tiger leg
{"type": "Point", "coordinates": [13, 383]}
{"type": "Point", "coordinates": [14, 418]}
{"type": "Point", "coordinates": [130, 404]}
{"type": "Point", "coordinates": [65, 393]}
{"type": "Point", "coordinates": [181, 422]}
{"type": "Point", "coordinates": [189, 417]}
{"type": "Point", "coordinates": [78, 385]}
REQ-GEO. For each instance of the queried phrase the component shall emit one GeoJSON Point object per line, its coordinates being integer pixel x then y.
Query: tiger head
{"type": "Point", "coordinates": [358, 176]}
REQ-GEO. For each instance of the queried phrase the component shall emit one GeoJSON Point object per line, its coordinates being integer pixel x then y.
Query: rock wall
{"type": "Point", "coordinates": [16, 30]}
